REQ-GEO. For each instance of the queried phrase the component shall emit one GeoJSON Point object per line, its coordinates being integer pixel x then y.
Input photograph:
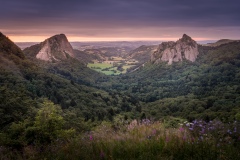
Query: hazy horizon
{"type": "Point", "coordinates": [25, 39]}
{"type": "Point", "coordinates": [117, 41]}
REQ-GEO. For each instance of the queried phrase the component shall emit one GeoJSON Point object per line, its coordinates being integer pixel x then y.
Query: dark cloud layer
{"type": "Point", "coordinates": [18, 16]}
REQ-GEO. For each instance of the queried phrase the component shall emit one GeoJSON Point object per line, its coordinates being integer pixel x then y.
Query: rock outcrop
{"type": "Point", "coordinates": [55, 48]}
{"type": "Point", "coordinates": [184, 48]}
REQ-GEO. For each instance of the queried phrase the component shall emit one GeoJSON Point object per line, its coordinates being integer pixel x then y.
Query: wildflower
{"type": "Point", "coordinates": [154, 132]}
{"type": "Point", "coordinates": [181, 129]}
{"type": "Point", "coordinates": [90, 137]}
{"type": "Point", "coordinates": [229, 131]}
{"type": "Point", "coordinates": [190, 128]}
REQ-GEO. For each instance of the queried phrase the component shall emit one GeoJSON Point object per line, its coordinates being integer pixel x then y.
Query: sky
{"type": "Point", "coordinates": [120, 20]}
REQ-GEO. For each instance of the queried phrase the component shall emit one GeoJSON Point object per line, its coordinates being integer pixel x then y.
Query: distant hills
{"type": "Point", "coordinates": [220, 42]}
{"type": "Point", "coordinates": [58, 48]}
{"type": "Point", "coordinates": [171, 79]}
{"type": "Point", "coordinates": [143, 53]}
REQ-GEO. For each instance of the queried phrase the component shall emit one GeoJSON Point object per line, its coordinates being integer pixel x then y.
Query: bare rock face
{"type": "Point", "coordinates": [55, 48]}
{"type": "Point", "coordinates": [184, 48]}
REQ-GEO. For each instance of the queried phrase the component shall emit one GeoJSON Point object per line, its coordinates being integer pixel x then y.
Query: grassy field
{"type": "Point", "coordinates": [108, 68]}
{"type": "Point", "coordinates": [99, 65]}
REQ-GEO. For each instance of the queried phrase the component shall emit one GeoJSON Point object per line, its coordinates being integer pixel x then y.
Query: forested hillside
{"type": "Point", "coordinates": [45, 104]}
{"type": "Point", "coordinates": [207, 88]}
{"type": "Point", "coordinates": [30, 86]}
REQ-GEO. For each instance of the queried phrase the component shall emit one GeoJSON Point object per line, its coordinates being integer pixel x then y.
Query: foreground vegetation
{"type": "Point", "coordinates": [126, 140]}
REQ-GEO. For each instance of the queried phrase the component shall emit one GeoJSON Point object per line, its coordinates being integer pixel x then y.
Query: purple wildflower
{"type": "Point", "coordinates": [203, 130]}
{"type": "Point", "coordinates": [154, 132]}
{"type": "Point", "coordinates": [181, 129]}
{"type": "Point", "coordinates": [229, 131]}
{"type": "Point", "coordinates": [91, 137]}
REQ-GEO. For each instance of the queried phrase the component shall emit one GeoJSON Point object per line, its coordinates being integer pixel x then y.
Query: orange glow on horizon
{"type": "Point", "coordinates": [97, 39]}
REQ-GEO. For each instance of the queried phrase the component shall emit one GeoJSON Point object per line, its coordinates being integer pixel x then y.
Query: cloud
{"type": "Point", "coordinates": [95, 17]}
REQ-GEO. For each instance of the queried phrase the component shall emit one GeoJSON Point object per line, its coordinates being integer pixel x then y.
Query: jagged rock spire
{"type": "Point", "coordinates": [55, 48]}
{"type": "Point", "coordinates": [184, 48]}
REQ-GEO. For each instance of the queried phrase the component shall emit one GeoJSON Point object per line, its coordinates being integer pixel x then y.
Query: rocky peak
{"type": "Point", "coordinates": [55, 48]}
{"type": "Point", "coordinates": [186, 38]}
{"type": "Point", "coordinates": [184, 48]}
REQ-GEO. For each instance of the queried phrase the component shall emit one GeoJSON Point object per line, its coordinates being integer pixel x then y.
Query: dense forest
{"type": "Point", "coordinates": [43, 104]}
{"type": "Point", "coordinates": [205, 89]}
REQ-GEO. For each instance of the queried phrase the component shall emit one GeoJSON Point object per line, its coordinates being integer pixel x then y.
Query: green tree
{"type": "Point", "coordinates": [48, 125]}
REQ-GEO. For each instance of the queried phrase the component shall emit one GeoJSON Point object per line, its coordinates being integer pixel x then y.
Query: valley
{"type": "Point", "coordinates": [120, 80]}
{"type": "Point", "coordinates": [115, 60]}
{"type": "Point", "coordinates": [113, 65]}
{"type": "Point", "coordinates": [55, 94]}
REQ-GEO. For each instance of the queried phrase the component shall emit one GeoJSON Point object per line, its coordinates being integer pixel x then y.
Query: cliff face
{"type": "Point", "coordinates": [184, 48]}
{"type": "Point", "coordinates": [55, 48]}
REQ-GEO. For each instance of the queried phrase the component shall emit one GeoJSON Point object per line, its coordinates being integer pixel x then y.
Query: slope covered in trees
{"type": "Point", "coordinates": [207, 88]}
{"type": "Point", "coordinates": [44, 104]}
{"type": "Point", "coordinates": [25, 83]}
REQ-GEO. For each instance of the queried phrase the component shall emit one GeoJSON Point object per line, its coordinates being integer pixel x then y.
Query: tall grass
{"type": "Point", "coordinates": [145, 140]}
